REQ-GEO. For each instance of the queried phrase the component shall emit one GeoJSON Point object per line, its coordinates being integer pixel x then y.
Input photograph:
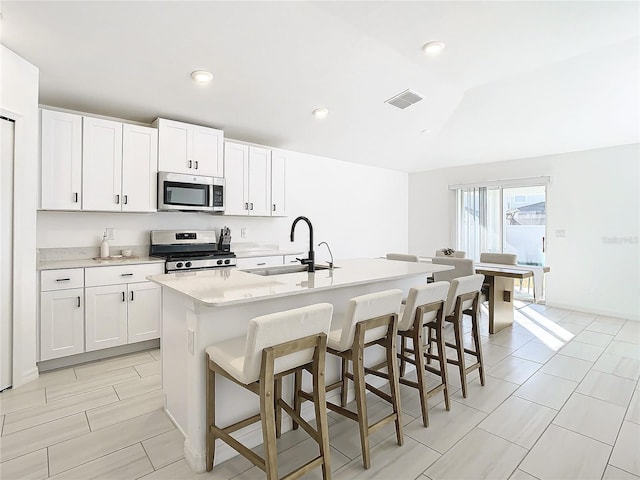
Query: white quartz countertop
{"type": "Point", "coordinates": [89, 262]}
{"type": "Point", "coordinates": [266, 253]}
{"type": "Point", "coordinates": [230, 286]}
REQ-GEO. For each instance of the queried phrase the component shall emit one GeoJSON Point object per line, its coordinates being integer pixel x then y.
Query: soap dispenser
{"type": "Point", "coordinates": [104, 247]}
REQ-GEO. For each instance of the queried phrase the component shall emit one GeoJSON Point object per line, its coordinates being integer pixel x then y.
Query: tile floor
{"type": "Point", "coordinates": [561, 401]}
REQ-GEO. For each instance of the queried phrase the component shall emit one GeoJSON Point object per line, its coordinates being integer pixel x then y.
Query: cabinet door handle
{"type": "Point", "coordinates": [75, 197]}
{"type": "Point", "coordinates": [262, 263]}
{"type": "Point", "coordinates": [131, 295]}
{"type": "Point", "coordinates": [246, 206]}
{"type": "Point", "coordinates": [274, 207]}
{"type": "Point", "coordinates": [126, 274]}
{"type": "Point", "coordinates": [123, 297]}
{"type": "Point", "coordinates": [125, 199]}
{"type": "Point", "coordinates": [196, 164]}
{"type": "Point", "coordinates": [251, 206]}
{"type": "Point", "coordinates": [190, 164]}
{"type": "Point", "coordinates": [117, 199]}
{"type": "Point", "coordinates": [62, 279]}
{"type": "Point", "coordinates": [78, 304]}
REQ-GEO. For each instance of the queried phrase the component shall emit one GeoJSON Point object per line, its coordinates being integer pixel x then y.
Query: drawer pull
{"type": "Point", "coordinates": [123, 297]}
{"type": "Point", "coordinates": [262, 263]}
{"type": "Point", "coordinates": [190, 164]}
{"type": "Point", "coordinates": [274, 207]}
{"type": "Point", "coordinates": [196, 164]}
{"type": "Point", "coordinates": [78, 304]}
{"type": "Point", "coordinates": [131, 296]}
{"type": "Point", "coordinates": [246, 206]}
{"type": "Point", "coordinates": [62, 279]}
{"type": "Point", "coordinates": [126, 274]}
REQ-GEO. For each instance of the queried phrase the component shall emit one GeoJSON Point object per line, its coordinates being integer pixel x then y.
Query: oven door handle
{"type": "Point", "coordinates": [211, 201]}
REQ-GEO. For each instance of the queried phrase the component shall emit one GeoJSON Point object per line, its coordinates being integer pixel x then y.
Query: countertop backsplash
{"type": "Point", "coordinates": [81, 253]}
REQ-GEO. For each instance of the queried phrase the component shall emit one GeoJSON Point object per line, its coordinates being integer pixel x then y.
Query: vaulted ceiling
{"type": "Point", "coordinates": [516, 79]}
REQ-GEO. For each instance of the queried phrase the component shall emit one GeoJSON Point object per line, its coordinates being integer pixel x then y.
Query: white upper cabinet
{"type": "Point", "coordinates": [186, 148]}
{"type": "Point", "coordinates": [259, 181]}
{"type": "Point", "coordinates": [236, 176]}
{"type": "Point", "coordinates": [61, 161]}
{"type": "Point", "coordinates": [95, 164]}
{"type": "Point", "coordinates": [101, 165]}
{"type": "Point", "coordinates": [278, 183]}
{"type": "Point", "coordinates": [247, 180]}
{"type": "Point", "coordinates": [139, 168]}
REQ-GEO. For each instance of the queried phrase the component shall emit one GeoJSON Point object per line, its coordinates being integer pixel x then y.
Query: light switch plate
{"type": "Point", "coordinates": [111, 233]}
{"type": "Point", "coordinates": [560, 233]}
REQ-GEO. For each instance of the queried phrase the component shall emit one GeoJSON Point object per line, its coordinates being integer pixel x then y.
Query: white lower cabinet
{"type": "Point", "coordinates": [258, 262]}
{"type": "Point", "coordinates": [87, 309]}
{"type": "Point", "coordinates": [106, 316]}
{"type": "Point", "coordinates": [121, 314]}
{"type": "Point", "coordinates": [61, 323]}
{"type": "Point", "coordinates": [143, 312]}
{"type": "Point", "coordinates": [61, 313]}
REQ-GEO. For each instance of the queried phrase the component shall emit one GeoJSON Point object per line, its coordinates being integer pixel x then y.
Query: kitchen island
{"type": "Point", "coordinates": [205, 307]}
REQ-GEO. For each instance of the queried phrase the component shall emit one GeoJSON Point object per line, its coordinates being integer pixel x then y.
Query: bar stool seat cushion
{"type": "Point", "coordinates": [361, 308]}
{"type": "Point", "coordinates": [241, 357]}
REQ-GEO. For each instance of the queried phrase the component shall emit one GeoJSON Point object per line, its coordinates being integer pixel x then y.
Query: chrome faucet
{"type": "Point", "coordinates": [310, 262]}
{"type": "Point", "coordinates": [331, 262]}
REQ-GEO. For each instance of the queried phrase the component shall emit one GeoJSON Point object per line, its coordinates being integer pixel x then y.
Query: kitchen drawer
{"type": "Point", "coordinates": [116, 274]}
{"type": "Point", "coordinates": [259, 262]}
{"type": "Point", "coordinates": [289, 259]}
{"type": "Point", "coordinates": [61, 279]}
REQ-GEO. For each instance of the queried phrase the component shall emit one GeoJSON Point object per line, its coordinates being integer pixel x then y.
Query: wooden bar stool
{"type": "Point", "coordinates": [276, 345]}
{"type": "Point", "coordinates": [463, 296]}
{"type": "Point", "coordinates": [370, 319]}
{"type": "Point", "coordinates": [424, 308]}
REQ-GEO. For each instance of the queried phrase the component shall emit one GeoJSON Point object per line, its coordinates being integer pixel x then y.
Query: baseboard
{"type": "Point", "coordinates": [27, 376]}
{"type": "Point", "coordinates": [80, 358]}
{"type": "Point", "coordinates": [593, 311]}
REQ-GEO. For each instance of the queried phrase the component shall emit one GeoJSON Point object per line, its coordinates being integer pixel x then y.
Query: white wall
{"type": "Point", "coordinates": [360, 211]}
{"type": "Point", "coordinates": [19, 101]}
{"type": "Point", "coordinates": [593, 196]}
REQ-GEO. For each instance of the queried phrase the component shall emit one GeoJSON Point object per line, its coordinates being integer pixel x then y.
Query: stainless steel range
{"type": "Point", "coordinates": [192, 249]}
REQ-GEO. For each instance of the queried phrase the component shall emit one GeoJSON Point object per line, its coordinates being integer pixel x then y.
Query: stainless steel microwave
{"type": "Point", "coordinates": [190, 193]}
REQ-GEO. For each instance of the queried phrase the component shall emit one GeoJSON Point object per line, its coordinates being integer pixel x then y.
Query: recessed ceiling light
{"type": "Point", "coordinates": [201, 76]}
{"type": "Point", "coordinates": [433, 48]}
{"type": "Point", "coordinates": [321, 112]}
{"type": "Point", "coordinates": [426, 131]}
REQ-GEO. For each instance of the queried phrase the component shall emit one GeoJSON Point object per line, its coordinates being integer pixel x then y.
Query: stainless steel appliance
{"type": "Point", "coordinates": [190, 193]}
{"type": "Point", "coordinates": [190, 250]}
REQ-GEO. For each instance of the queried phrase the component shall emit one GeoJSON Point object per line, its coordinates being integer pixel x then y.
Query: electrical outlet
{"type": "Point", "coordinates": [111, 233]}
{"type": "Point", "coordinates": [243, 233]}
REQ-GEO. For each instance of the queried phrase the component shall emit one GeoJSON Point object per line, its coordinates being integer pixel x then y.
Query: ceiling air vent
{"type": "Point", "coordinates": [404, 99]}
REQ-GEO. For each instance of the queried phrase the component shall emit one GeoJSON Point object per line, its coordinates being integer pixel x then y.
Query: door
{"type": "Point", "coordinates": [61, 323]}
{"type": "Point", "coordinates": [207, 151]}
{"type": "Point", "coordinates": [105, 316]}
{"type": "Point", "coordinates": [139, 168]}
{"type": "Point", "coordinates": [278, 184]}
{"type": "Point", "coordinates": [101, 165]}
{"type": "Point", "coordinates": [236, 164]}
{"type": "Point", "coordinates": [6, 251]}
{"type": "Point", "coordinates": [175, 146]}
{"type": "Point", "coordinates": [259, 181]}
{"type": "Point", "coordinates": [61, 161]}
{"type": "Point", "coordinates": [143, 315]}
{"type": "Point", "coordinates": [525, 218]}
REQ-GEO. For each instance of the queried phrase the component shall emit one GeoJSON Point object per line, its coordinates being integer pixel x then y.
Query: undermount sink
{"type": "Point", "coordinates": [281, 270]}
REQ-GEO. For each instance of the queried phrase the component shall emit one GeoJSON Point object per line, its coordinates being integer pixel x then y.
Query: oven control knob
{"type": "Point", "coordinates": [179, 265]}
{"type": "Point", "coordinates": [188, 264]}
{"type": "Point", "coordinates": [227, 261]}
{"type": "Point", "coordinates": [219, 262]}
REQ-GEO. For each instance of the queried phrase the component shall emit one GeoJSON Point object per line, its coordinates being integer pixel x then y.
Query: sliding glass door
{"type": "Point", "coordinates": [503, 220]}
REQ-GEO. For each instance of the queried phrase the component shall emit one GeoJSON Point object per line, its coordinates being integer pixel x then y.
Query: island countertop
{"type": "Point", "coordinates": [231, 286]}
